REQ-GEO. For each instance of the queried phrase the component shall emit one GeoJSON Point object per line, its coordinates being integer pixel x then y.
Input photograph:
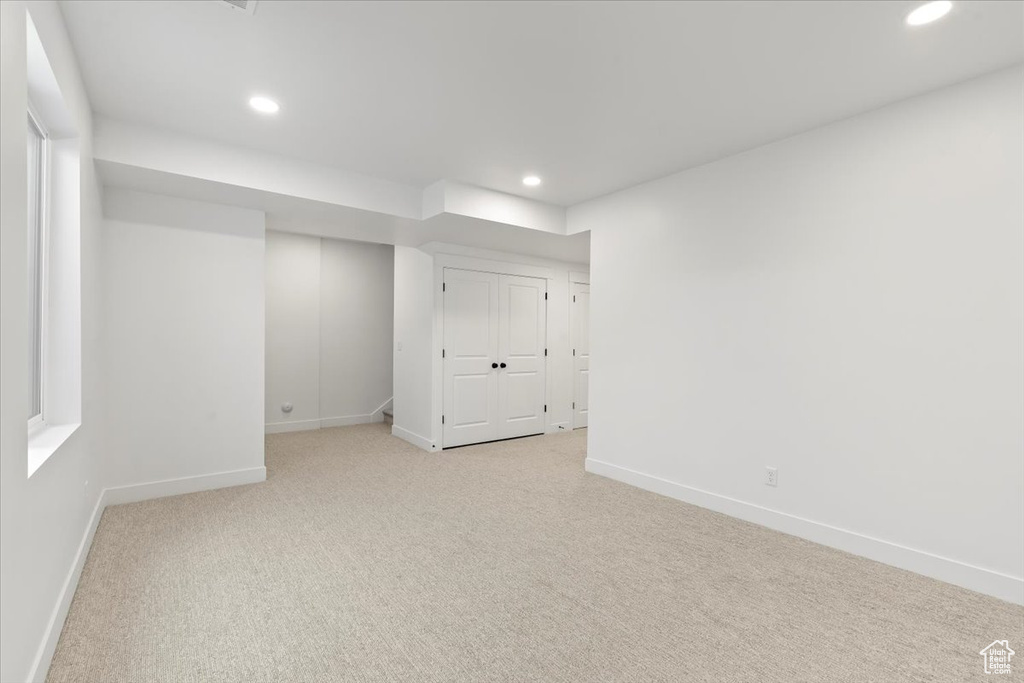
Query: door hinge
{"type": "Point", "coordinates": [444, 286]}
{"type": "Point", "coordinates": [545, 407]}
{"type": "Point", "coordinates": [442, 417]}
{"type": "Point", "coordinates": [545, 352]}
{"type": "Point", "coordinates": [545, 296]}
{"type": "Point", "coordinates": [442, 353]}
{"type": "Point", "coordinates": [574, 298]}
{"type": "Point", "coordinates": [574, 352]}
{"type": "Point", "coordinates": [573, 407]}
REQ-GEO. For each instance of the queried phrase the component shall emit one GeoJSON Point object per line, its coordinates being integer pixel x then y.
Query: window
{"type": "Point", "coordinates": [53, 261]}
{"type": "Point", "coordinates": [37, 154]}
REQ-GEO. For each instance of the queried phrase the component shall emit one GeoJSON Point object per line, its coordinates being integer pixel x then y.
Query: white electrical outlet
{"type": "Point", "coordinates": [771, 476]}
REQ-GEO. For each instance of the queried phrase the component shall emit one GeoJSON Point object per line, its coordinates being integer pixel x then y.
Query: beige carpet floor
{"type": "Point", "coordinates": [362, 558]}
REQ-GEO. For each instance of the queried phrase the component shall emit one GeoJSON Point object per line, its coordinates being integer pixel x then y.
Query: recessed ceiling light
{"type": "Point", "coordinates": [929, 12]}
{"type": "Point", "coordinates": [531, 181]}
{"type": "Point", "coordinates": [264, 105]}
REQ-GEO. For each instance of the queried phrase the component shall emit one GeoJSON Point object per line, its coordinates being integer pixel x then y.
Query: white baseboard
{"type": "Point", "coordinates": [134, 493]}
{"type": "Point", "coordinates": [985, 581]}
{"type": "Point", "coordinates": [295, 426]}
{"type": "Point", "coordinates": [323, 423]}
{"type": "Point", "coordinates": [44, 655]}
{"type": "Point", "coordinates": [379, 413]}
{"type": "Point", "coordinates": [352, 420]}
{"type": "Point", "coordinates": [414, 439]}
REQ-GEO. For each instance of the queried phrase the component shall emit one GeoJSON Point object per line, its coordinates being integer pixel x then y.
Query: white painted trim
{"type": "Point", "coordinates": [414, 439]}
{"type": "Point", "coordinates": [349, 420]}
{"type": "Point", "coordinates": [437, 362]}
{"type": "Point", "coordinates": [44, 655]}
{"type": "Point", "coordinates": [133, 493]}
{"type": "Point", "coordinates": [293, 426]}
{"type": "Point", "coordinates": [443, 248]}
{"type": "Point", "coordinates": [579, 278]}
{"type": "Point", "coordinates": [379, 412]}
{"type": "Point", "coordinates": [322, 423]}
{"type": "Point", "coordinates": [44, 440]}
{"type": "Point", "coordinates": [491, 266]}
{"type": "Point", "coordinates": [573, 340]}
{"type": "Point", "coordinates": [43, 257]}
{"type": "Point", "coordinates": [995, 584]}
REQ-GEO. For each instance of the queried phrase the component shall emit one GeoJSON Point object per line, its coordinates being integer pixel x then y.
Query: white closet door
{"type": "Point", "coordinates": [580, 339]}
{"type": "Point", "coordinates": [522, 315]}
{"type": "Point", "coordinates": [470, 348]}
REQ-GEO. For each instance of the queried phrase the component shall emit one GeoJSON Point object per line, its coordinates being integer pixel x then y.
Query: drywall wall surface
{"type": "Point", "coordinates": [847, 306]}
{"type": "Point", "coordinates": [184, 337]}
{"type": "Point", "coordinates": [418, 325]}
{"type": "Point", "coordinates": [413, 355]}
{"type": "Point", "coordinates": [45, 519]}
{"type": "Point", "coordinates": [293, 329]}
{"type": "Point", "coordinates": [357, 282]}
{"type": "Point", "coordinates": [329, 331]}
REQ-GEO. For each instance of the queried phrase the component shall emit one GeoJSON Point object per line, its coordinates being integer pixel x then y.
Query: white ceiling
{"type": "Point", "coordinates": [592, 96]}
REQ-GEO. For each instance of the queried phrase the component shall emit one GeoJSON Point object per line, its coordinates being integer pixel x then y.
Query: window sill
{"type": "Point", "coordinates": [44, 440]}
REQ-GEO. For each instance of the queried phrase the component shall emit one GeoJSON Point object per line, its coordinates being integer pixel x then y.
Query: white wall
{"type": "Point", "coordinates": [413, 359]}
{"type": "Point", "coordinates": [357, 281]}
{"type": "Point", "coordinates": [45, 520]}
{"type": "Point", "coordinates": [846, 305]}
{"type": "Point", "coordinates": [183, 284]}
{"type": "Point", "coordinates": [329, 331]}
{"type": "Point", "coordinates": [293, 329]}
{"type": "Point", "coordinates": [418, 363]}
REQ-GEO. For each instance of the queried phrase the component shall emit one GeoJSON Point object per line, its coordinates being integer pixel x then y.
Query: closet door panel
{"type": "Point", "coordinates": [470, 348]}
{"type": "Point", "coordinates": [522, 316]}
